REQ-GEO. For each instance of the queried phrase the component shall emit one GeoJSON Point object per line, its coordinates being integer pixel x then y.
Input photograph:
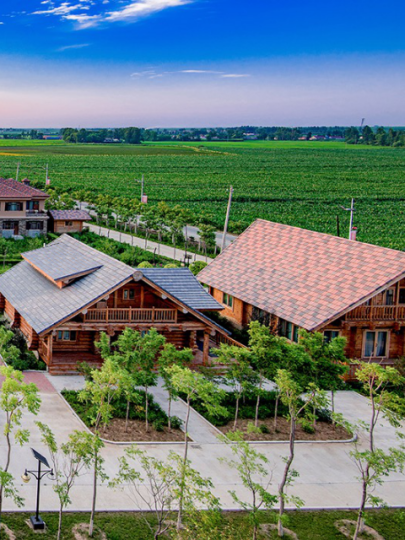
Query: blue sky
{"type": "Point", "coordinates": [201, 62]}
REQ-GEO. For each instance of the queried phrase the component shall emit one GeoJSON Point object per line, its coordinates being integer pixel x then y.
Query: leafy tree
{"type": "Point", "coordinates": [249, 465]}
{"type": "Point", "coordinates": [105, 384]}
{"type": "Point", "coordinates": [375, 463]}
{"type": "Point", "coordinates": [290, 393]}
{"type": "Point", "coordinates": [328, 362]}
{"type": "Point", "coordinates": [159, 479]}
{"type": "Point", "coordinates": [68, 462]}
{"type": "Point", "coordinates": [239, 375]}
{"type": "Point", "coordinates": [170, 356]}
{"type": "Point", "coordinates": [195, 386]}
{"type": "Point", "coordinates": [16, 396]}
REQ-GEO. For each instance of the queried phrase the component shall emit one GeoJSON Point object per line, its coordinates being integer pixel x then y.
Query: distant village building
{"type": "Point", "coordinates": [22, 209]}
{"type": "Point", "coordinates": [63, 295]}
{"type": "Point", "coordinates": [290, 278]}
{"type": "Point", "coordinates": [68, 221]}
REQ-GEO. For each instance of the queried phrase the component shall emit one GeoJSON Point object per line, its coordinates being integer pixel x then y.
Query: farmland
{"type": "Point", "coordinates": [298, 183]}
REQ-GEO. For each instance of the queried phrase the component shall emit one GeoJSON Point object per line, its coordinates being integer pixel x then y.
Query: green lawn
{"type": "Point", "coordinates": [128, 526]}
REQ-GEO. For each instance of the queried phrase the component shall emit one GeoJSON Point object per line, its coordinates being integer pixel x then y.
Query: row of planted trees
{"type": "Point", "coordinates": [304, 374]}
{"type": "Point", "coordinates": [167, 223]}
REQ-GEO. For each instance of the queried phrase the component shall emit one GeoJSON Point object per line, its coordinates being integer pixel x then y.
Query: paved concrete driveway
{"type": "Point", "coordinates": [327, 474]}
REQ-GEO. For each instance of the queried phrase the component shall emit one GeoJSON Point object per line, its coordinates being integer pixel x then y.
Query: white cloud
{"type": "Point", "coordinates": [142, 8]}
{"type": "Point", "coordinates": [198, 71]}
{"type": "Point", "coordinates": [68, 47]}
{"type": "Point", "coordinates": [234, 75]}
{"type": "Point", "coordinates": [132, 11]}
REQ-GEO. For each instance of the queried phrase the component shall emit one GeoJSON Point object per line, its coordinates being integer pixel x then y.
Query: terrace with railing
{"type": "Point", "coordinates": [131, 315]}
{"type": "Point", "coordinates": [377, 313]}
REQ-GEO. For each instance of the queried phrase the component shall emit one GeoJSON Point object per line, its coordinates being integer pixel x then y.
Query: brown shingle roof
{"type": "Point", "coordinates": [305, 277]}
{"type": "Point", "coordinates": [11, 189]}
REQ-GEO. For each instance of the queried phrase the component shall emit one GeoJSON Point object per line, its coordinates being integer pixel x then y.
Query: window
{"type": "Point", "coordinates": [328, 335]}
{"type": "Point", "coordinates": [32, 205]}
{"type": "Point", "coordinates": [13, 206]}
{"type": "Point", "coordinates": [66, 335]}
{"type": "Point", "coordinates": [128, 294]}
{"type": "Point", "coordinates": [402, 295]}
{"type": "Point", "coordinates": [227, 300]}
{"type": "Point", "coordinates": [289, 330]}
{"type": "Point", "coordinates": [389, 297]}
{"type": "Point", "coordinates": [10, 225]}
{"type": "Point", "coordinates": [35, 225]}
{"type": "Point", "coordinates": [375, 343]}
{"type": "Point", "coordinates": [68, 223]}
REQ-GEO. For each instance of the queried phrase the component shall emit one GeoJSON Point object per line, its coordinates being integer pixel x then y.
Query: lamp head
{"type": "Point", "coordinates": [25, 477]}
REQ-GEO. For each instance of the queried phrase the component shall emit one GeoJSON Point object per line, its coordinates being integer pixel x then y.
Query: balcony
{"type": "Point", "coordinates": [131, 315]}
{"type": "Point", "coordinates": [36, 213]}
{"type": "Point", "coordinates": [377, 313]}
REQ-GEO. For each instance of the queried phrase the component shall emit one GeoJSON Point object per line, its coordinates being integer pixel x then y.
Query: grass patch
{"type": "Point", "coordinates": [234, 525]}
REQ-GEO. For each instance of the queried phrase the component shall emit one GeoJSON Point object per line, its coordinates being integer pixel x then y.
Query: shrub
{"type": "Point", "coordinates": [145, 264]}
{"type": "Point", "coordinates": [307, 426]}
{"type": "Point", "coordinates": [176, 422]}
{"type": "Point", "coordinates": [158, 425]}
{"type": "Point", "coordinates": [197, 266]}
{"type": "Point", "coordinates": [264, 429]}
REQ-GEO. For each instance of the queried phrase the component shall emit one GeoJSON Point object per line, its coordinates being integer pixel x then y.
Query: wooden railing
{"type": "Point", "coordinates": [377, 313]}
{"type": "Point", "coordinates": [44, 351]}
{"type": "Point", "coordinates": [131, 315]}
{"type": "Point", "coordinates": [221, 338]}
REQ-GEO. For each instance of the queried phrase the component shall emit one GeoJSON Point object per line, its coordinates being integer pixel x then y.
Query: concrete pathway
{"type": "Point", "coordinates": [327, 474]}
{"type": "Point", "coordinates": [199, 430]}
{"type": "Point", "coordinates": [161, 249]}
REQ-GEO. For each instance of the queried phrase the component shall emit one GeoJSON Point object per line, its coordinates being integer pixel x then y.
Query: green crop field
{"type": "Point", "coordinates": [298, 183]}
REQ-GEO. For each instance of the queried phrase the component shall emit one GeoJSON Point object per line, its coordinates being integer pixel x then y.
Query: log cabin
{"type": "Point", "coordinates": [68, 221]}
{"type": "Point", "coordinates": [22, 209]}
{"type": "Point", "coordinates": [290, 278]}
{"type": "Point", "coordinates": [63, 295]}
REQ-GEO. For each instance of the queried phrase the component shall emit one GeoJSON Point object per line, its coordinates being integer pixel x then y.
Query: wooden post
{"type": "Point", "coordinates": [206, 347]}
{"type": "Point", "coordinates": [142, 296]}
{"type": "Point", "coordinates": [50, 353]}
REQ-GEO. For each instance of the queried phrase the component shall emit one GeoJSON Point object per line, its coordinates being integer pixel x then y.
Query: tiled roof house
{"type": "Point", "coordinates": [292, 278]}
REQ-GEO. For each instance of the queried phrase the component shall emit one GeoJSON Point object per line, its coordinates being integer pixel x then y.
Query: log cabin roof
{"type": "Point", "coordinates": [70, 215]}
{"type": "Point", "coordinates": [43, 304]}
{"type": "Point", "coordinates": [305, 277]}
{"type": "Point", "coordinates": [183, 285]}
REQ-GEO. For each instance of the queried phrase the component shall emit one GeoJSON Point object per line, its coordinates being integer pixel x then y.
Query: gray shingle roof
{"type": "Point", "coordinates": [43, 304]}
{"type": "Point", "coordinates": [60, 261]}
{"type": "Point", "coordinates": [183, 285]}
{"type": "Point", "coordinates": [75, 215]}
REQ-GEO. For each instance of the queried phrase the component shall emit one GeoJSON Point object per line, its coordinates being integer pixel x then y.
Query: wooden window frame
{"type": "Point", "coordinates": [128, 294]}
{"type": "Point", "coordinates": [399, 296]}
{"type": "Point", "coordinates": [227, 300]}
{"type": "Point", "coordinates": [68, 223]}
{"type": "Point", "coordinates": [387, 346]}
{"type": "Point", "coordinates": [331, 330]}
{"type": "Point", "coordinates": [63, 332]}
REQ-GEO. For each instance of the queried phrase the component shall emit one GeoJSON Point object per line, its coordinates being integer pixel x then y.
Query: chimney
{"type": "Point", "coordinates": [353, 233]}
{"type": "Point", "coordinates": [26, 182]}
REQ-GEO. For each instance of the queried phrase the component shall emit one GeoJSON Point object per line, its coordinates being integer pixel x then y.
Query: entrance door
{"type": "Point", "coordinates": [16, 229]}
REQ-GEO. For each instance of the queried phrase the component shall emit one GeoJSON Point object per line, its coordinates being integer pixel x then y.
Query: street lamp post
{"type": "Point", "coordinates": [36, 521]}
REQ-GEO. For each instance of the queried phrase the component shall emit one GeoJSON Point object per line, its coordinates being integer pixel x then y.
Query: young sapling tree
{"type": "Point", "coordinates": [16, 396]}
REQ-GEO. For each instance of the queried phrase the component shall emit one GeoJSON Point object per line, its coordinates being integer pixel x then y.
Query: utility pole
{"type": "Point", "coordinates": [351, 210]}
{"type": "Point", "coordinates": [228, 211]}
{"type": "Point", "coordinates": [18, 171]}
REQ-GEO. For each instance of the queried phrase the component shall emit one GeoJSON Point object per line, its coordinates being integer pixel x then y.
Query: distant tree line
{"type": "Point", "coordinates": [129, 135]}
{"type": "Point", "coordinates": [376, 137]}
